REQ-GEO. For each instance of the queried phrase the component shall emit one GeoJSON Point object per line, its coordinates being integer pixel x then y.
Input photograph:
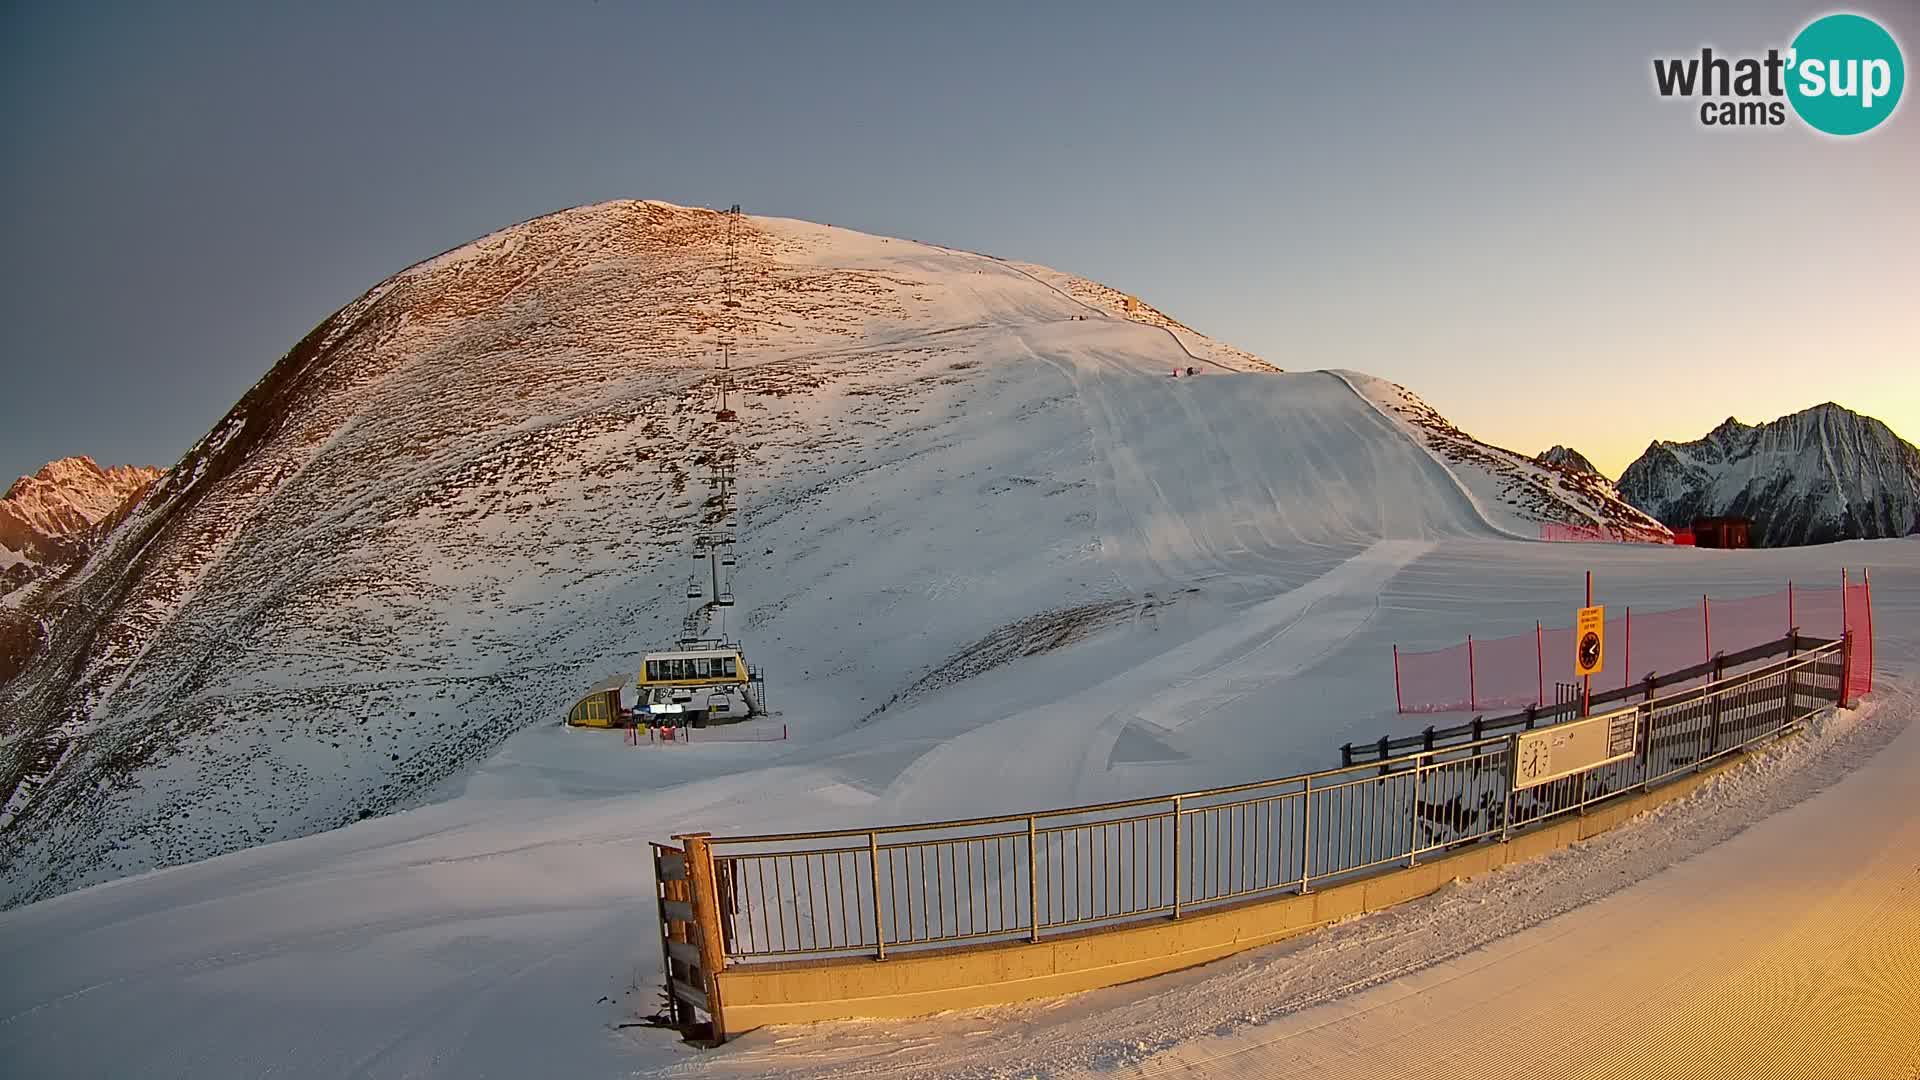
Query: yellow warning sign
{"type": "Point", "coordinates": [1590, 641]}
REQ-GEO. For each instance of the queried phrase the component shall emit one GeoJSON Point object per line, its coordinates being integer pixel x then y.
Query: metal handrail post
{"type": "Point", "coordinates": [1506, 804]}
{"type": "Point", "coordinates": [1306, 835]}
{"type": "Point", "coordinates": [873, 867]}
{"type": "Point", "coordinates": [1413, 818]}
{"type": "Point", "coordinates": [1033, 881]}
{"type": "Point", "coordinates": [1176, 856]}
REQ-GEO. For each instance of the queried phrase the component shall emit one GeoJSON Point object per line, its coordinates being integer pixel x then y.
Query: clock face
{"type": "Point", "coordinates": [1534, 761]}
{"type": "Point", "coordinates": [1589, 651]}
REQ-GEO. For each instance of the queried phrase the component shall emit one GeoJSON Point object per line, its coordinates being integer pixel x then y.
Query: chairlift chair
{"type": "Point", "coordinates": [725, 416]}
{"type": "Point", "coordinates": [693, 592]}
{"type": "Point", "coordinates": [725, 599]}
{"type": "Point", "coordinates": [727, 559]}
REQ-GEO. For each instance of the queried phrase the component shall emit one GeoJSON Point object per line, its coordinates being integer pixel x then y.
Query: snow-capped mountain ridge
{"type": "Point", "coordinates": [1822, 474]}
{"type": "Point", "coordinates": [63, 500]}
{"type": "Point", "coordinates": [467, 495]}
{"type": "Point", "coordinates": [53, 517]}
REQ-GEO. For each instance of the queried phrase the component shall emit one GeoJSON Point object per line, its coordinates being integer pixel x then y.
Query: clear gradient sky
{"type": "Point", "coordinates": [1486, 202]}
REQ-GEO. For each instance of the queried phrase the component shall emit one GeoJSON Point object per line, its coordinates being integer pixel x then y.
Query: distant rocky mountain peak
{"type": "Point", "coordinates": [1822, 474]}
{"type": "Point", "coordinates": [1567, 458]}
{"type": "Point", "coordinates": [48, 519]}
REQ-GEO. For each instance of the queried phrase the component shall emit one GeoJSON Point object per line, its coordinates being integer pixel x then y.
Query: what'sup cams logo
{"type": "Point", "coordinates": [1843, 75]}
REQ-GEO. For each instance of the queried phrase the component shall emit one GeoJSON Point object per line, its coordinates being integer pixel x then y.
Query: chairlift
{"type": "Point", "coordinates": [693, 592]}
{"type": "Point", "coordinates": [725, 599]}
{"type": "Point", "coordinates": [727, 559]}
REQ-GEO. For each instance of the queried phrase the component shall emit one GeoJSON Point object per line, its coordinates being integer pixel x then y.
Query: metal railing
{"type": "Point", "coordinates": [1531, 717]}
{"type": "Point", "coordinates": [1015, 877]}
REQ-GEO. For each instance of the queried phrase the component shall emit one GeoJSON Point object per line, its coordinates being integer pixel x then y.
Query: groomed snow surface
{"type": "Point", "coordinates": [507, 931]}
{"type": "Point", "coordinates": [1226, 561]}
{"type": "Point", "coordinates": [470, 495]}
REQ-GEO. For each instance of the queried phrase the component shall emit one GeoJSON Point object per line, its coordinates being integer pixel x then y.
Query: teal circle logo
{"type": "Point", "coordinates": [1845, 74]}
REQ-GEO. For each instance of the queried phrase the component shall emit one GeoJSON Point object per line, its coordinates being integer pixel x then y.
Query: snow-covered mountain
{"type": "Point", "coordinates": [1567, 458]}
{"type": "Point", "coordinates": [1819, 475]}
{"type": "Point", "coordinates": [47, 518]}
{"type": "Point", "coordinates": [468, 495]}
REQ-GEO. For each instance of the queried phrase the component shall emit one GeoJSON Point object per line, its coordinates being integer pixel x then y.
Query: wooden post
{"type": "Point", "coordinates": [1706, 625]}
{"type": "Point", "coordinates": [706, 922]}
{"type": "Point", "coordinates": [1473, 685]}
{"type": "Point", "coordinates": [1399, 706]}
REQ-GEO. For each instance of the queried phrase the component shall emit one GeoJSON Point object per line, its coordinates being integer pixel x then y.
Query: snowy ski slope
{"type": "Point", "coordinates": [478, 936]}
{"type": "Point", "coordinates": [468, 496]}
{"type": "Point", "coordinates": [974, 497]}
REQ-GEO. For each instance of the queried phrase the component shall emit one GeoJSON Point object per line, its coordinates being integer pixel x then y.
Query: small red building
{"type": "Point", "coordinates": [1722, 532]}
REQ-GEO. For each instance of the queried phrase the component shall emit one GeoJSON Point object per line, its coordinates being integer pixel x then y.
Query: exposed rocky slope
{"type": "Point", "coordinates": [1567, 457]}
{"type": "Point", "coordinates": [1819, 475]}
{"type": "Point", "coordinates": [1502, 481]}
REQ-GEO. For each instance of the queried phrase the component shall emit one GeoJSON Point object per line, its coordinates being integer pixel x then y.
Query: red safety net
{"type": "Point", "coordinates": [1818, 612]}
{"type": "Point", "coordinates": [1508, 673]}
{"type": "Point", "coordinates": [1859, 619]}
{"type": "Point", "coordinates": [1437, 681]}
{"type": "Point", "coordinates": [1522, 670]}
{"type": "Point", "coordinates": [1743, 624]}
